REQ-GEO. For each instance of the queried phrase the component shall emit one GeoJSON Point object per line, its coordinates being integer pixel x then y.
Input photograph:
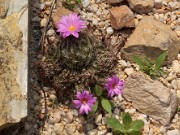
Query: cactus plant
{"type": "Point", "coordinates": [73, 64]}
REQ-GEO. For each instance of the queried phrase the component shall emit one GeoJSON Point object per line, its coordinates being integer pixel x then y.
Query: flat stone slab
{"type": "Point", "coordinates": [13, 61]}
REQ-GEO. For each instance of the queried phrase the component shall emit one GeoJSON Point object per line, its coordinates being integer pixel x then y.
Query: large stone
{"type": "Point", "coordinates": [141, 6]}
{"type": "Point", "coordinates": [61, 11]}
{"type": "Point", "coordinates": [13, 63]}
{"type": "Point", "coordinates": [150, 39]}
{"type": "Point", "coordinates": [151, 97]}
{"type": "Point", "coordinates": [121, 17]}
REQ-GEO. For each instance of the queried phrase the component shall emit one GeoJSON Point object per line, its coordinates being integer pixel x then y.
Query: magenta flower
{"type": "Point", "coordinates": [114, 86]}
{"type": "Point", "coordinates": [85, 102]}
{"type": "Point", "coordinates": [70, 25]}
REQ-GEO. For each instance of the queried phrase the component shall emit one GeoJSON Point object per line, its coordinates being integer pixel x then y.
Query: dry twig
{"type": "Point", "coordinates": [41, 44]}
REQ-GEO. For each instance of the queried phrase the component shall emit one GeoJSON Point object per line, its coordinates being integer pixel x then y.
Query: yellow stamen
{"type": "Point", "coordinates": [72, 28]}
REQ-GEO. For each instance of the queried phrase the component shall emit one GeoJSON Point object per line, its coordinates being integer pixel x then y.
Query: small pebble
{"type": "Point", "coordinates": [98, 119]}
{"type": "Point", "coordinates": [109, 30]}
{"type": "Point", "coordinates": [129, 71]}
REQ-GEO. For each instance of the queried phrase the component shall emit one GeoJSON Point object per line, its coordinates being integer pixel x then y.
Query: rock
{"type": "Point", "coordinates": [162, 129]}
{"type": "Point", "coordinates": [174, 84]}
{"type": "Point", "coordinates": [132, 111]}
{"type": "Point", "coordinates": [109, 134]}
{"type": "Point", "coordinates": [61, 11]}
{"type": "Point", "coordinates": [116, 111]}
{"type": "Point", "coordinates": [76, 133]}
{"type": "Point", "coordinates": [70, 128]}
{"type": "Point", "coordinates": [102, 132]}
{"type": "Point", "coordinates": [92, 132]}
{"type": "Point", "coordinates": [109, 31]}
{"type": "Point", "coordinates": [55, 117]}
{"type": "Point", "coordinates": [147, 95]}
{"type": "Point", "coordinates": [85, 3]}
{"type": "Point", "coordinates": [150, 39]}
{"type": "Point", "coordinates": [104, 120]}
{"type": "Point", "coordinates": [52, 97]}
{"type": "Point", "coordinates": [123, 64]}
{"type": "Point", "coordinates": [50, 32]}
{"type": "Point", "coordinates": [146, 129]}
{"type": "Point", "coordinates": [120, 98]}
{"type": "Point", "coordinates": [158, 4]}
{"type": "Point", "coordinates": [75, 112]}
{"type": "Point", "coordinates": [89, 126]}
{"type": "Point", "coordinates": [176, 66]}
{"type": "Point", "coordinates": [129, 71]}
{"type": "Point", "coordinates": [43, 22]}
{"type": "Point", "coordinates": [114, 1]}
{"type": "Point", "coordinates": [141, 6]}
{"type": "Point", "coordinates": [98, 119]}
{"type": "Point", "coordinates": [177, 32]}
{"type": "Point", "coordinates": [13, 62]}
{"type": "Point", "coordinates": [151, 131]}
{"type": "Point", "coordinates": [69, 117]}
{"type": "Point", "coordinates": [58, 128]}
{"type": "Point", "coordinates": [121, 17]}
{"type": "Point", "coordinates": [178, 57]}
{"type": "Point", "coordinates": [178, 84]}
{"type": "Point", "coordinates": [95, 22]}
{"type": "Point", "coordinates": [173, 132]}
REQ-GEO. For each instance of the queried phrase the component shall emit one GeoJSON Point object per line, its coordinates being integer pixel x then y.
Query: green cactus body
{"type": "Point", "coordinates": [77, 53]}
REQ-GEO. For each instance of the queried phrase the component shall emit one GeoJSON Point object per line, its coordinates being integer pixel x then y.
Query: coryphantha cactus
{"type": "Point", "coordinates": [77, 60]}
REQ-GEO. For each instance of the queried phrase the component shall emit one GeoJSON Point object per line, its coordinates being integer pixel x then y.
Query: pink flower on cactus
{"type": "Point", "coordinates": [85, 102]}
{"type": "Point", "coordinates": [70, 25]}
{"type": "Point", "coordinates": [114, 86]}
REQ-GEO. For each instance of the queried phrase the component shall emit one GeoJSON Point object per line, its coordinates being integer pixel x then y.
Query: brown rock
{"type": "Point", "coordinates": [121, 17]}
{"type": "Point", "coordinates": [114, 1]}
{"type": "Point", "coordinates": [61, 11]}
{"type": "Point", "coordinates": [150, 39]}
{"type": "Point", "coordinates": [141, 6]}
{"type": "Point", "coordinates": [151, 97]}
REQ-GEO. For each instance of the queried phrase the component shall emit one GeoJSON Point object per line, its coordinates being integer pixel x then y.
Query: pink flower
{"type": "Point", "coordinates": [85, 102]}
{"type": "Point", "coordinates": [114, 86]}
{"type": "Point", "coordinates": [70, 25]}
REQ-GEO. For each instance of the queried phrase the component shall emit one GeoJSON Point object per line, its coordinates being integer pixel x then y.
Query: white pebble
{"type": "Point", "coordinates": [109, 30]}
{"type": "Point", "coordinates": [146, 129]}
{"type": "Point", "coordinates": [98, 119]}
{"type": "Point", "coordinates": [151, 132]}
{"type": "Point", "coordinates": [129, 71]}
{"type": "Point", "coordinates": [132, 111]}
{"type": "Point", "coordinates": [162, 129]}
{"type": "Point", "coordinates": [85, 3]}
{"type": "Point", "coordinates": [176, 66]}
{"type": "Point", "coordinates": [92, 132]}
{"type": "Point", "coordinates": [50, 32]}
{"type": "Point", "coordinates": [95, 22]}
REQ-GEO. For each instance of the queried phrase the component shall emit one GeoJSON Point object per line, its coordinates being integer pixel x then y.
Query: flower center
{"type": "Point", "coordinates": [84, 100]}
{"type": "Point", "coordinates": [72, 28]}
{"type": "Point", "coordinates": [114, 85]}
